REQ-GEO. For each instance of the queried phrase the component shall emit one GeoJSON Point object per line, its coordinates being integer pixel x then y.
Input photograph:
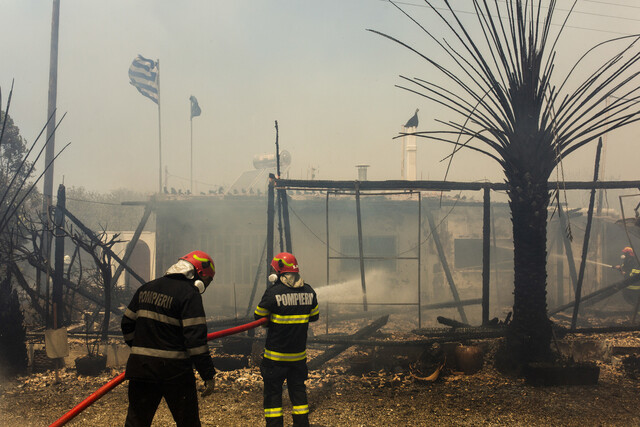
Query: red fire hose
{"type": "Point", "coordinates": [117, 380]}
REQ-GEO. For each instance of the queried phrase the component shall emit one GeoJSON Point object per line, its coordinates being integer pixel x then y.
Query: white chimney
{"type": "Point", "coordinates": [409, 155]}
{"type": "Point", "coordinates": [362, 172]}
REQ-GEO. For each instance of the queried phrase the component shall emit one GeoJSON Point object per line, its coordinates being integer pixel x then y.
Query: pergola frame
{"type": "Point", "coordinates": [364, 187]}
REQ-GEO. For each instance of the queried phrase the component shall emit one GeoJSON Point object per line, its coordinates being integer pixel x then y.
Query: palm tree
{"type": "Point", "coordinates": [510, 110]}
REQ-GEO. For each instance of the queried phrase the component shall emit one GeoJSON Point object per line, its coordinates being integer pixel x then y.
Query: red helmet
{"type": "Point", "coordinates": [628, 251]}
{"type": "Point", "coordinates": [203, 264]}
{"type": "Point", "coordinates": [285, 262]}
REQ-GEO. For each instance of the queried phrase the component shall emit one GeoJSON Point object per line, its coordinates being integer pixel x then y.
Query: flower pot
{"type": "Point", "coordinates": [91, 365]}
{"type": "Point", "coordinates": [469, 358]}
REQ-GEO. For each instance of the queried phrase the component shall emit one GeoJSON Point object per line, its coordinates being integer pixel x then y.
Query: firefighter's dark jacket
{"type": "Point", "coordinates": [165, 326]}
{"type": "Point", "coordinates": [289, 310]}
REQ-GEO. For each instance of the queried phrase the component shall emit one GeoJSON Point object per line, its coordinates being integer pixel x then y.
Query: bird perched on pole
{"type": "Point", "coordinates": [413, 121]}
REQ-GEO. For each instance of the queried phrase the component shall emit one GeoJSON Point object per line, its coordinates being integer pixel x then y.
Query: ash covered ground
{"type": "Point", "coordinates": [371, 387]}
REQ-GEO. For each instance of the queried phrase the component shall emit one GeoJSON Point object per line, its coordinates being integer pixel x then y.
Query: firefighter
{"type": "Point", "coordinates": [290, 304]}
{"type": "Point", "coordinates": [629, 267]}
{"type": "Point", "coordinates": [165, 326]}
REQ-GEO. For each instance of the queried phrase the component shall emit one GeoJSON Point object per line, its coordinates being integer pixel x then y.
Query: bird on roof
{"type": "Point", "coordinates": [413, 121]}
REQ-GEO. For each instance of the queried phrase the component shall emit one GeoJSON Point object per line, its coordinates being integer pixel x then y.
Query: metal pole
{"type": "Point", "coordinates": [279, 196]}
{"type": "Point", "coordinates": [47, 190]}
{"type": "Point", "coordinates": [404, 155]}
{"type": "Point", "coordinates": [235, 302]}
{"type": "Point", "coordinates": [360, 249]}
{"type": "Point", "coordinates": [486, 256]}
{"type": "Point", "coordinates": [277, 152]}
{"type": "Point", "coordinates": [327, 316]}
{"type": "Point", "coordinates": [51, 111]}
{"type": "Point", "coordinates": [326, 215]}
{"type": "Point", "coordinates": [270, 221]}
{"type": "Point", "coordinates": [493, 259]}
{"type": "Point", "coordinates": [419, 264]}
{"type": "Point", "coordinates": [559, 273]}
{"type": "Point", "coordinates": [191, 168]}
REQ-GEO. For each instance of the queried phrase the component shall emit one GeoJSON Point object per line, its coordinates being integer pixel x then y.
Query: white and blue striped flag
{"type": "Point", "coordinates": [143, 74]}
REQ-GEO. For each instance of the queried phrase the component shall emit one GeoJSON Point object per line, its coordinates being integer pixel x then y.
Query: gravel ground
{"type": "Point", "coordinates": [340, 398]}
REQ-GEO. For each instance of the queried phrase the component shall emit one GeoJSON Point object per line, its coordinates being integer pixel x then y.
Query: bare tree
{"type": "Point", "coordinates": [100, 251]}
{"type": "Point", "coordinates": [509, 109]}
{"type": "Point", "coordinates": [88, 286]}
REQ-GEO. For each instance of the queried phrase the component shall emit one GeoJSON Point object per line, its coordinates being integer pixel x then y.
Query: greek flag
{"type": "Point", "coordinates": [143, 74]}
{"type": "Point", "coordinates": [195, 108]}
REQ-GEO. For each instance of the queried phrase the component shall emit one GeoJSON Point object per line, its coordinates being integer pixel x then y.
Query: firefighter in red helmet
{"type": "Point", "coordinates": [165, 326]}
{"type": "Point", "coordinates": [290, 304]}
{"type": "Point", "coordinates": [629, 267]}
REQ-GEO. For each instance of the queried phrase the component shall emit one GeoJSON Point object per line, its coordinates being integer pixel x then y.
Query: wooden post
{"type": "Point", "coordinates": [132, 243]}
{"type": "Point", "coordinates": [255, 281]}
{"type": "Point", "coordinates": [587, 232]}
{"type": "Point", "coordinates": [445, 265]}
{"type": "Point", "coordinates": [279, 214]}
{"type": "Point", "coordinates": [360, 248]}
{"type": "Point", "coordinates": [567, 246]}
{"type": "Point", "coordinates": [486, 257]}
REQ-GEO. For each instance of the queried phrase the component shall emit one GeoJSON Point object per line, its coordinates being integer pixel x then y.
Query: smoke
{"type": "Point", "coordinates": [382, 287]}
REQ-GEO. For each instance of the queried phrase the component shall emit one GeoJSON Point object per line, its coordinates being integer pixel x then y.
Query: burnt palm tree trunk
{"type": "Point", "coordinates": [529, 334]}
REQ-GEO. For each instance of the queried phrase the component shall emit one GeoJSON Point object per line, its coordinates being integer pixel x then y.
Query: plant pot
{"type": "Point", "coordinates": [469, 358]}
{"type": "Point", "coordinates": [91, 365]}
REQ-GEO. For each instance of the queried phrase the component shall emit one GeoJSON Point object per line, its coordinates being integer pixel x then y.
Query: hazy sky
{"type": "Point", "coordinates": [312, 66]}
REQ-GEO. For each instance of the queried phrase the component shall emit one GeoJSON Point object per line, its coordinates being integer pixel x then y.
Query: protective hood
{"type": "Point", "coordinates": [184, 268]}
{"type": "Point", "coordinates": [292, 280]}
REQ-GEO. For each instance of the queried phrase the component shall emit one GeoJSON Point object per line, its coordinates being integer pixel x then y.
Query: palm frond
{"type": "Point", "coordinates": [503, 85]}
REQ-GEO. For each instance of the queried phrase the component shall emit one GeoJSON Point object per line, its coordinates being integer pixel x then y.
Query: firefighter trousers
{"type": "Point", "coordinates": [144, 398]}
{"type": "Point", "coordinates": [274, 374]}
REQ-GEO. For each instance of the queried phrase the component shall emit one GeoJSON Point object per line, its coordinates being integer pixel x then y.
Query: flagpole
{"type": "Point", "coordinates": [47, 189]}
{"type": "Point", "coordinates": [191, 176]}
{"type": "Point", "coordinates": [159, 135]}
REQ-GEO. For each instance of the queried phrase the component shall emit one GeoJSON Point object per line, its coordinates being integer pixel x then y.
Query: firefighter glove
{"type": "Point", "coordinates": [209, 387]}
